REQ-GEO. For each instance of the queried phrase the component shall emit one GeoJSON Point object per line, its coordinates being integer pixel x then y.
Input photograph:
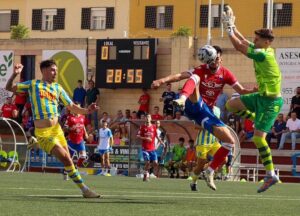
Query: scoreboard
{"type": "Point", "coordinates": [125, 63]}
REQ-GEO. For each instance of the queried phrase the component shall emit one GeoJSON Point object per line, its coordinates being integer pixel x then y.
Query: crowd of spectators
{"type": "Point", "coordinates": [285, 127]}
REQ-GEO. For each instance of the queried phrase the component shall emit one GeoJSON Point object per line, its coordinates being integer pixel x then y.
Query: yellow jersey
{"type": "Point", "coordinates": [44, 97]}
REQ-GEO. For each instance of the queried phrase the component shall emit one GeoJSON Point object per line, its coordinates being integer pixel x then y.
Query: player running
{"type": "Point", "coordinates": [199, 94]}
{"type": "Point", "coordinates": [267, 102]}
{"type": "Point", "coordinates": [147, 133]}
{"type": "Point", "coordinates": [44, 96]}
{"type": "Point", "coordinates": [76, 134]}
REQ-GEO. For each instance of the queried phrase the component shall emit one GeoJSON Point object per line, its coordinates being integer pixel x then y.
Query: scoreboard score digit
{"type": "Point", "coordinates": [125, 63]}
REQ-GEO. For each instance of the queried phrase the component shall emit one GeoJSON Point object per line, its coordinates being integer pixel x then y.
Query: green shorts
{"type": "Point", "coordinates": [265, 108]}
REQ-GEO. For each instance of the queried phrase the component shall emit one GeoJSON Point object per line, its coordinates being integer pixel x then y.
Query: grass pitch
{"type": "Point", "coordinates": [47, 194]}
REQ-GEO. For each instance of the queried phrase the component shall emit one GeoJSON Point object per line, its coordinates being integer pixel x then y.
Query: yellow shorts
{"type": "Point", "coordinates": [48, 137]}
{"type": "Point", "coordinates": [203, 150]}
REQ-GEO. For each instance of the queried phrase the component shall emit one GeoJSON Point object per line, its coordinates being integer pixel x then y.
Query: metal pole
{"type": "Point", "coordinates": [268, 13]}
{"type": "Point", "coordinates": [271, 13]}
{"type": "Point", "coordinates": [195, 29]}
{"type": "Point", "coordinates": [222, 10]}
{"type": "Point", "coordinates": [209, 23]}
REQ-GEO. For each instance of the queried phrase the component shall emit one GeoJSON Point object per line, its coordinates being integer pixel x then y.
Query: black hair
{"type": "Point", "coordinates": [47, 63]}
{"type": "Point", "coordinates": [181, 139]}
{"type": "Point", "coordinates": [219, 49]}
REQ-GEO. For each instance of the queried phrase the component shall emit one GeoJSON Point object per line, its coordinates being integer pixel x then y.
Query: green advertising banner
{"type": "Point", "coordinates": [71, 67]}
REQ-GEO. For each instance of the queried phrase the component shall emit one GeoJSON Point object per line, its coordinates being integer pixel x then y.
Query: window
{"type": "Point", "coordinates": [97, 18]}
{"type": "Point", "coordinates": [5, 21]}
{"type": "Point", "coordinates": [8, 18]}
{"type": "Point", "coordinates": [48, 19]}
{"type": "Point", "coordinates": [282, 14]}
{"type": "Point", "coordinates": [160, 17]}
{"type": "Point", "coordinates": [215, 16]}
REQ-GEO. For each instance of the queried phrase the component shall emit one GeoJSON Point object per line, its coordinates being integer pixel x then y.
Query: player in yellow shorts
{"type": "Point", "coordinates": [44, 96]}
{"type": "Point", "coordinates": [206, 145]}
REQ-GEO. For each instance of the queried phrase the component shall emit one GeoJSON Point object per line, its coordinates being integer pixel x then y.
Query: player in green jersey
{"type": "Point", "coordinates": [267, 102]}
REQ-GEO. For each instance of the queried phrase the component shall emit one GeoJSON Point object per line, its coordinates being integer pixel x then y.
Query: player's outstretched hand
{"type": "Point", "coordinates": [92, 107]}
{"type": "Point", "coordinates": [228, 17]}
{"type": "Point", "coordinates": [156, 84]}
{"type": "Point", "coordinates": [18, 69]}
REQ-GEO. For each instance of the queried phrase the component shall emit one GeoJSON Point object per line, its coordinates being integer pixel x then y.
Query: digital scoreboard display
{"type": "Point", "coordinates": [125, 63]}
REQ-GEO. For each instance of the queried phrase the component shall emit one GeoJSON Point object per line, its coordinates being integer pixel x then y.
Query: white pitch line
{"type": "Point", "coordinates": [213, 194]}
{"type": "Point", "coordinates": [176, 197]}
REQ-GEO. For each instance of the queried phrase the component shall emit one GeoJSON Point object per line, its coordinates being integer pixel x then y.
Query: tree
{"type": "Point", "coordinates": [19, 32]}
{"type": "Point", "coordinates": [182, 31]}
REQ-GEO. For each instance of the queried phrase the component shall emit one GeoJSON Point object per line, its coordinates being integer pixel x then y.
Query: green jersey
{"type": "Point", "coordinates": [178, 152]}
{"type": "Point", "coordinates": [267, 72]}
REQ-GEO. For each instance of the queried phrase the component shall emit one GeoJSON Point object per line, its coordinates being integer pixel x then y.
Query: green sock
{"type": "Point", "coordinates": [75, 176]}
{"type": "Point", "coordinates": [242, 113]}
{"type": "Point", "coordinates": [264, 152]}
{"type": "Point", "coordinates": [195, 178]}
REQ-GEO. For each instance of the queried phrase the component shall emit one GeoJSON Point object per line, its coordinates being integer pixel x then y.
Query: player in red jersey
{"type": "Point", "coordinates": [147, 133]}
{"type": "Point", "coordinates": [77, 133]}
{"type": "Point", "coordinates": [9, 110]}
{"type": "Point", "coordinates": [199, 95]}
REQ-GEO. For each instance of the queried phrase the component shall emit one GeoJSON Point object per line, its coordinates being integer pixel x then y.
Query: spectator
{"type": "Point", "coordinates": [178, 154]}
{"type": "Point", "coordinates": [105, 117]}
{"type": "Point", "coordinates": [277, 130]}
{"type": "Point", "coordinates": [292, 131]}
{"type": "Point", "coordinates": [9, 110]}
{"type": "Point", "coordinates": [168, 117]}
{"type": "Point", "coordinates": [221, 101]}
{"type": "Point", "coordinates": [117, 137]}
{"type": "Point", "coordinates": [119, 117]}
{"type": "Point", "coordinates": [295, 104]}
{"type": "Point", "coordinates": [127, 115]}
{"type": "Point", "coordinates": [234, 121]}
{"type": "Point", "coordinates": [93, 96]}
{"type": "Point", "coordinates": [247, 131]}
{"type": "Point", "coordinates": [134, 115]}
{"type": "Point", "coordinates": [167, 97]}
{"type": "Point", "coordinates": [144, 102]}
{"type": "Point", "coordinates": [180, 117]}
{"type": "Point", "coordinates": [190, 159]}
{"type": "Point", "coordinates": [79, 94]}
{"type": "Point", "coordinates": [156, 116]}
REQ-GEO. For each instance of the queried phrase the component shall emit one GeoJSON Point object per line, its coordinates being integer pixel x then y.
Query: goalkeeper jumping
{"type": "Point", "coordinates": [267, 102]}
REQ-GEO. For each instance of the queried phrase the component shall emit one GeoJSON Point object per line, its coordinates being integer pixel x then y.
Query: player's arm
{"type": "Point", "coordinates": [9, 85]}
{"type": "Point", "coordinates": [171, 78]}
{"type": "Point", "coordinates": [241, 90]}
{"type": "Point", "coordinates": [83, 111]}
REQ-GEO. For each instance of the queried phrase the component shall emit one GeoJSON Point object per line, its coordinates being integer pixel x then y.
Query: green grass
{"type": "Point", "coordinates": [47, 194]}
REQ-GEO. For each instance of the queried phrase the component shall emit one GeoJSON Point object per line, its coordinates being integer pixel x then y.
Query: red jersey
{"type": "Point", "coordinates": [157, 117]}
{"type": "Point", "coordinates": [148, 131]}
{"type": "Point", "coordinates": [144, 100]}
{"type": "Point", "coordinates": [76, 128]}
{"type": "Point", "coordinates": [248, 126]}
{"type": "Point", "coordinates": [211, 84]}
{"type": "Point", "coordinates": [21, 98]}
{"type": "Point", "coordinates": [7, 110]}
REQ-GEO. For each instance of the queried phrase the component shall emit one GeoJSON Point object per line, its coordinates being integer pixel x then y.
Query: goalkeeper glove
{"type": "Point", "coordinates": [228, 20]}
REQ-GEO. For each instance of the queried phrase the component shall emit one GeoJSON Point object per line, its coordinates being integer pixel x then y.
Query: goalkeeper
{"type": "Point", "coordinates": [267, 102]}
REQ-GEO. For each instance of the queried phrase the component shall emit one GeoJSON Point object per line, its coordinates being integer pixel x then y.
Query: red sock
{"type": "Point", "coordinates": [188, 88]}
{"type": "Point", "coordinates": [79, 162]}
{"type": "Point", "coordinates": [219, 158]}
